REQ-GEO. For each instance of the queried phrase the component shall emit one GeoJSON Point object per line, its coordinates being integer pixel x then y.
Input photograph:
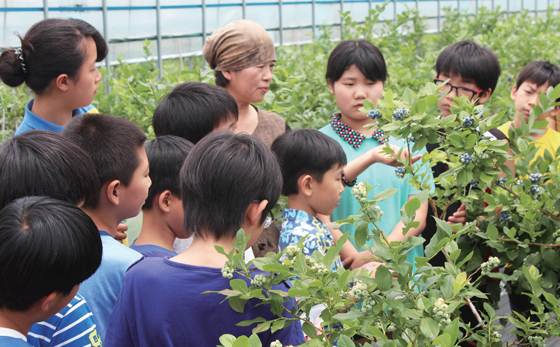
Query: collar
{"type": "Point", "coordinates": [36, 122]}
{"type": "Point", "coordinates": [104, 233]}
{"type": "Point", "coordinates": [12, 333]}
{"type": "Point", "coordinates": [354, 138]}
{"type": "Point", "coordinates": [300, 216]}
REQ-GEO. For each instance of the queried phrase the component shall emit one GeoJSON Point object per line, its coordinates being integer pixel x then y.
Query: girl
{"type": "Point", "coordinates": [57, 62]}
{"type": "Point", "coordinates": [356, 71]}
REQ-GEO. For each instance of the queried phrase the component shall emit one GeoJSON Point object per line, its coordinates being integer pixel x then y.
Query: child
{"type": "Point", "coordinates": [473, 72]}
{"type": "Point", "coordinates": [116, 147]}
{"type": "Point", "coordinates": [163, 209]}
{"type": "Point", "coordinates": [57, 62]}
{"type": "Point", "coordinates": [227, 182]}
{"type": "Point", "coordinates": [47, 248]}
{"type": "Point", "coordinates": [32, 165]}
{"type": "Point", "coordinates": [312, 166]}
{"type": "Point", "coordinates": [356, 71]}
{"type": "Point", "coordinates": [194, 109]}
{"type": "Point", "coordinates": [533, 80]}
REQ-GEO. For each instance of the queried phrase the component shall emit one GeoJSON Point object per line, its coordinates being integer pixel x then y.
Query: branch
{"type": "Point", "coordinates": [541, 209]}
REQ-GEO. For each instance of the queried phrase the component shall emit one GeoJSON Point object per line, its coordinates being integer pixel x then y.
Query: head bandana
{"type": "Point", "coordinates": [238, 45]}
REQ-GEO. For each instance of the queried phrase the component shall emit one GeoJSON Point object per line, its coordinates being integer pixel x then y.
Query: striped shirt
{"type": "Point", "coordinates": [72, 326]}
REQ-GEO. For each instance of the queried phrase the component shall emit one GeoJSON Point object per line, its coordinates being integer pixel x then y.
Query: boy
{"type": "Point", "coordinates": [227, 182]}
{"type": "Point", "coordinates": [194, 109]}
{"type": "Point", "coordinates": [312, 166]}
{"type": "Point", "coordinates": [32, 165]}
{"type": "Point", "coordinates": [47, 248]}
{"type": "Point", "coordinates": [163, 209]}
{"type": "Point", "coordinates": [356, 71]}
{"type": "Point", "coordinates": [116, 147]}
{"type": "Point", "coordinates": [473, 72]}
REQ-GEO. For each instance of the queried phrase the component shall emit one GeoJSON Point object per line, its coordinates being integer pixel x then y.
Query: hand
{"type": "Point", "coordinates": [371, 267]}
{"type": "Point", "coordinates": [391, 159]}
{"type": "Point", "coordinates": [121, 232]}
{"type": "Point", "coordinates": [459, 217]}
{"type": "Point", "coordinates": [356, 260]}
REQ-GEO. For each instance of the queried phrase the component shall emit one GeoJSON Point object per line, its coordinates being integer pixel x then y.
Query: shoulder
{"type": "Point", "coordinates": [270, 126]}
{"type": "Point", "coordinates": [82, 110]}
{"type": "Point", "coordinates": [13, 342]}
{"type": "Point", "coordinates": [117, 254]}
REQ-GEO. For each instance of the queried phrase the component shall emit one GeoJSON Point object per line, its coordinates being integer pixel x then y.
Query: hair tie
{"type": "Point", "coordinates": [19, 54]}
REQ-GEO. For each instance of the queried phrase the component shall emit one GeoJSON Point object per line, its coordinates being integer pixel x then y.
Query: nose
{"type": "Point", "coordinates": [534, 100]}
{"type": "Point", "coordinates": [98, 77]}
{"type": "Point", "coordinates": [341, 189]}
{"type": "Point", "coordinates": [360, 93]}
{"type": "Point", "coordinates": [267, 75]}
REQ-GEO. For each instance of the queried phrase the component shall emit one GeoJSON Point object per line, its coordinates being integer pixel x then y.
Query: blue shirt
{"type": "Point", "coordinates": [152, 250]}
{"type": "Point", "coordinates": [33, 122]}
{"type": "Point", "coordinates": [161, 304]}
{"type": "Point", "coordinates": [102, 289]}
{"type": "Point", "coordinates": [72, 326]}
{"type": "Point", "coordinates": [298, 224]}
{"type": "Point", "coordinates": [384, 177]}
{"type": "Point", "coordinates": [12, 338]}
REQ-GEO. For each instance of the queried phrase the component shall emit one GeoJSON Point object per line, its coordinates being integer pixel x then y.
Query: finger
{"type": "Point", "coordinates": [122, 227]}
{"type": "Point", "coordinates": [415, 158]}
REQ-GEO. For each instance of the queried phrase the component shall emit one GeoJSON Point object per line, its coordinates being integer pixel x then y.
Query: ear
{"type": "Point", "coordinates": [305, 185]}
{"type": "Point", "coordinates": [113, 192]}
{"type": "Point", "coordinates": [484, 96]}
{"type": "Point", "coordinates": [47, 301]}
{"type": "Point", "coordinates": [331, 85]}
{"type": "Point", "coordinates": [164, 201]}
{"type": "Point", "coordinates": [254, 212]}
{"type": "Point", "coordinates": [513, 93]}
{"type": "Point", "coordinates": [227, 75]}
{"type": "Point", "coordinates": [62, 82]}
{"type": "Point", "coordinates": [555, 111]}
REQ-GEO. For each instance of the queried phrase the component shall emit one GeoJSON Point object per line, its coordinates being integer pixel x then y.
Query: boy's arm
{"type": "Point", "coordinates": [421, 215]}
{"type": "Point", "coordinates": [360, 164]}
{"type": "Point", "coordinates": [348, 249]}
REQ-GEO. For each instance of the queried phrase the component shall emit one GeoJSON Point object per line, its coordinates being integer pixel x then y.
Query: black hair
{"type": "Point", "coordinates": [306, 152]}
{"type": "Point", "coordinates": [220, 79]}
{"type": "Point", "coordinates": [50, 48]}
{"type": "Point", "coordinates": [43, 163]}
{"type": "Point", "coordinates": [222, 175]}
{"type": "Point", "coordinates": [111, 143]}
{"type": "Point", "coordinates": [46, 246]}
{"type": "Point", "coordinates": [192, 110]}
{"type": "Point", "coordinates": [539, 73]}
{"type": "Point", "coordinates": [166, 155]}
{"type": "Point", "coordinates": [367, 58]}
{"type": "Point", "coordinates": [475, 64]}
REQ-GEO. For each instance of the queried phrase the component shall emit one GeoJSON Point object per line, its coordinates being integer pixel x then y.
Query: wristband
{"type": "Point", "coordinates": [348, 183]}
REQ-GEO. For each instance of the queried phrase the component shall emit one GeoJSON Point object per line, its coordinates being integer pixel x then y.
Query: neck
{"type": "Point", "coordinates": [104, 218]}
{"type": "Point", "coordinates": [51, 109]}
{"type": "Point", "coordinates": [517, 123]}
{"type": "Point", "coordinates": [299, 202]}
{"type": "Point", "coordinates": [155, 230]}
{"type": "Point", "coordinates": [203, 253]}
{"type": "Point", "coordinates": [248, 118]}
{"type": "Point", "coordinates": [18, 321]}
{"type": "Point", "coordinates": [358, 125]}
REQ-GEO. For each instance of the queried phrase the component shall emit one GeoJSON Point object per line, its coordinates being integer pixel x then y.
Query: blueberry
{"type": "Point", "coordinates": [505, 216]}
{"type": "Point", "coordinates": [468, 121]}
{"type": "Point", "coordinates": [399, 172]}
{"type": "Point", "coordinates": [504, 179]}
{"type": "Point", "coordinates": [474, 183]}
{"type": "Point", "coordinates": [535, 189]}
{"type": "Point", "coordinates": [498, 181]}
{"type": "Point", "coordinates": [465, 158]}
{"type": "Point", "coordinates": [535, 177]}
{"type": "Point", "coordinates": [374, 114]}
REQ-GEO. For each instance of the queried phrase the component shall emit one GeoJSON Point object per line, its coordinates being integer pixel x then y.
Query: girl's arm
{"type": "Point", "coordinates": [421, 215]}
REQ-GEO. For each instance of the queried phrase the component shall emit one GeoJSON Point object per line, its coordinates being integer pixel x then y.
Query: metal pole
{"type": "Point", "coordinates": [394, 10]}
{"type": "Point", "coordinates": [438, 15]}
{"type": "Point", "coordinates": [158, 38]}
{"type": "Point", "coordinates": [46, 9]}
{"type": "Point", "coordinates": [313, 16]}
{"type": "Point", "coordinates": [476, 6]}
{"type": "Point", "coordinates": [369, 6]}
{"type": "Point", "coordinates": [243, 9]}
{"type": "Point", "coordinates": [106, 35]}
{"type": "Point", "coordinates": [536, 11]}
{"type": "Point", "coordinates": [203, 3]}
{"type": "Point", "coordinates": [341, 19]}
{"type": "Point", "coordinates": [416, 3]}
{"type": "Point", "coordinates": [507, 10]}
{"type": "Point", "coordinates": [459, 6]}
{"type": "Point", "coordinates": [280, 25]}
{"type": "Point", "coordinates": [492, 5]}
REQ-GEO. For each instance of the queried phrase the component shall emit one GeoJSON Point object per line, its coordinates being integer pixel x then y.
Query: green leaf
{"type": "Point", "coordinates": [260, 262]}
{"type": "Point", "coordinates": [408, 211]}
{"type": "Point", "coordinates": [254, 341]}
{"type": "Point", "coordinates": [408, 96]}
{"type": "Point", "coordinates": [453, 330]}
{"type": "Point", "coordinates": [345, 341]}
{"type": "Point", "coordinates": [384, 195]}
{"type": "Point", "coordinates": [227, 340]}
{"type": "Point", "coordinates": [242, 341]}
{"type": "Point", "coordinates": [350, 315]}
{"type": "Point", "coordinates": [491, 312]}
{"type": "Point", "coordinates": [492, 231]}
{"type": "Point", "coordinates": [446, 287]}
{"type": "Point", "coordinates": [431, 100]}
{"type": "Point", "coordinates": [383, 278]}
{"type": "Point", "coordinates": [237, 304]}
{"type": "Point", "coordinates": [309, 330]}
{"type": "Point", "coordinates": [360, 236]}
{"type": "Point", "coordinates": [443, 340]}
{"type": "Point", "coordinates": [368, 104]}
{"type": "Point", "coordinates": [429, 327]}
{"type": "Point", "coordinates": [555, 94]}
{"type": "Point", "coordinates": [277, 325]}
{"type": "Point", "coordinates": [239, 285]}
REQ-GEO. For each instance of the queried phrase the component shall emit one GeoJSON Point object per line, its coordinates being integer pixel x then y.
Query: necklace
{"type": "Point", "coordinates": [355, 138]}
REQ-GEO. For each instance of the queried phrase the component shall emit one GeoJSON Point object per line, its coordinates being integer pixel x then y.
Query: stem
{"type": "Point", "coordinates": [540, 209]}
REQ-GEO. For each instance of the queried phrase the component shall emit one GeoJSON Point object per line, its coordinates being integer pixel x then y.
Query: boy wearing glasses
{"type": "Point", "coordinates": [473, 72]}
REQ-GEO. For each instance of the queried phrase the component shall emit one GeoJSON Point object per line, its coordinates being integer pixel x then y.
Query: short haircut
{"type": "Point", "coordinates": [192, 110]}
{"type": "Point", "coordinates": [50, 48]}
{"type": "Point", "coordinates": [222, 175]}
{"type": "Point", "coordinates": [475, 64]}
{"type": "Point", "coordinates": [367, 58]}
{"type": "Point", "coordinates": [111, 143]}
{"type": "Point", "coordinates": [539, 73]}
{"type": "Point", "coordinates": [43, 163]}
{"type": "Point", "coordinates": [46, 246]}
{"type": "Point", "coordinates": [220, 79]}
{"type": "Point", "coordinates": [166, 155]}
{"type": "Point", "coordinates": [306, 152]}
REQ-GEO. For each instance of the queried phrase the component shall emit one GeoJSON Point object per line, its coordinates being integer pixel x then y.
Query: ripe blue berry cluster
{"type": "Point", "coordinates": [488, 266]}
{"type": "Point", "coordinates": [374, 114]}
{"type": "Point", "coordinates": [520, 183]}
{"type": "Point", "coordinates": [474, 183]}
{"type": "Point", "coordinates": [480, 113]}
{"type": "Point", "coordinates": [535, 177]}
{"type": "Point", "coordinates": [535, 189]}
{"type": "Point", "coordinates": [465, 158]}
{"type": "Point", "coordinates": [501, 180]}
{"type": "Point", "coordinates": [400, 113]}
{"type": "Point", "coordinates": [505, 216]}
{"type": "Point", "coordinates": [400, 172]}
{"type": "Point", "coordinates": [468, 121]}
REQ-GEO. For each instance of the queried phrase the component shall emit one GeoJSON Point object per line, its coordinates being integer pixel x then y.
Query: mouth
{"type": "Point", "coordinates": [264, 90]}
{"type": "Point", "coordinates": [359, 105]}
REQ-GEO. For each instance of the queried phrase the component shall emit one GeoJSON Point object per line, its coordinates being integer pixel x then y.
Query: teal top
{"type": "Point", "coordinates": [377, 174]}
